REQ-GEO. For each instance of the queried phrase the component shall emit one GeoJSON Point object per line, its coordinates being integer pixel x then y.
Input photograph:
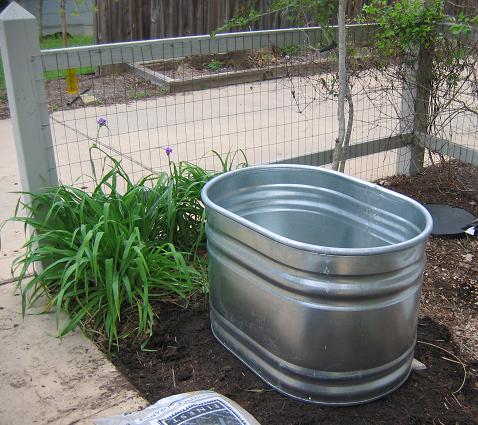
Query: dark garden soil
{"type": "Point", "coordinates": [203, 65]}
{"type": "Point", "coordinates": [188, 358]}
{"type": "Point", "coordinates": [4, 110]}
{"type": "Point", "coordinates": [113, 88]}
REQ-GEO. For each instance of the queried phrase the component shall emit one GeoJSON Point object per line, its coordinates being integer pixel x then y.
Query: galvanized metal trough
{"type": "Point", "coordinates": [315, 279]}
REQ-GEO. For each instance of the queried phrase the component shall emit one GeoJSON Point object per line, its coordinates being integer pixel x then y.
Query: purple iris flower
{"type": "Point", "coordinates": [101, 121]}
{"type": "Point", "coordinates": [169, 150]}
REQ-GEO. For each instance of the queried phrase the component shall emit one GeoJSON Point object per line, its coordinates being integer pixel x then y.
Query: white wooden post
{"type": "Point", "coordinates": [27, 99]}
{"type": "Point", "coordinates": [409, 158]}
{"type": "Point", "coordinates": [414, 110]}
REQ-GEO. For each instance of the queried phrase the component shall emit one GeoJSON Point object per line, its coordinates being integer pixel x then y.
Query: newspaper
{"type": "Point", "coordinates": [195, 408]}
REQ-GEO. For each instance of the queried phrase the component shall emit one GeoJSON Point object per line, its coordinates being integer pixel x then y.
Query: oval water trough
{"type": "Point", "coordinates": [315, 279]}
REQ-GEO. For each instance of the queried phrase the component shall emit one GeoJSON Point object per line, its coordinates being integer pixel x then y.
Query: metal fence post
{"type": "Point", "coordinates": [27, 98]}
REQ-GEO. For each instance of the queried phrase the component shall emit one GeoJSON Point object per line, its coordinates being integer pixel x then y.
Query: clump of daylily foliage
{"type": "Point", "coordinates": [116, 247]}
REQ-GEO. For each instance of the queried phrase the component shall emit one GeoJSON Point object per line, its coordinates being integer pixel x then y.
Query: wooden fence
{"type": "Point", "coordinates": [122, 20]}
{"type": "Point", "coordinates": [129, 20]}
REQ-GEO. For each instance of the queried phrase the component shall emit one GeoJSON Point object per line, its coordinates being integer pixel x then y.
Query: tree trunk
{"type": "Point", "coordinates": [343, 139]}
{"type": "Point", "coordinates": [348, 133]}
{"type": "Point", "coordinates": [337, 156]}
{"type": "Point", "coordinates": [63, 22]}
{"type": "Point", "coordinates": [40, 19]}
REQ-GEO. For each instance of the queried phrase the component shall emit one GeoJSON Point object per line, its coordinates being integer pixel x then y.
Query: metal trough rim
{"type": "Point", "coordinates": [319, 249]}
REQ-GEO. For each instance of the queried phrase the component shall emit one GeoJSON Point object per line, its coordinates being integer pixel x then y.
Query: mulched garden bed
{"type": "Point", "coordinates": [241, 60]}
{"type": "Point", "coordinates": [110, 89]}
{"type": "Point", "coordinates": [4, 110]}
{"type": "Point", "coordinates": [188, 358]}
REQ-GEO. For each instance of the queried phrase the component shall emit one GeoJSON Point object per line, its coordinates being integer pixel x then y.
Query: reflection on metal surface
{"type": "Point", "coordinates": [315, 279]}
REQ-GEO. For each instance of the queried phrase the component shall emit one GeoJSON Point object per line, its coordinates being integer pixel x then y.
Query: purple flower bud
{"type": "Point", "coordinates": [169, 150]}
{"type": "Point", "coordinates": [101, 121]}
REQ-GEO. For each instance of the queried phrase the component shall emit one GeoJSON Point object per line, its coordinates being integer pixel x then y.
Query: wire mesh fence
{"type": "Point", "coordinates": [258, 97]}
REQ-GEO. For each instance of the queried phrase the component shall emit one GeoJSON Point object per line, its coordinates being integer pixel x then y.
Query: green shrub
{"type": "Point", "coordinates": [404, 24]}
{"type": "Point", "coordinates": [290, 50]}
{"type": "Point", "coordinates": [215, 65]}
{"type": "Point", "coordinates": [115, 248]}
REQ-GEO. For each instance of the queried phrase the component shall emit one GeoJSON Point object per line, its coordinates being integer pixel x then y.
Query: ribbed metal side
{"type": "Point", "coordinates": [315, 279]}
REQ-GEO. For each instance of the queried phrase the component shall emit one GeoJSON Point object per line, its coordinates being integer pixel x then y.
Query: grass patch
{"type": "Point", "coordinates": [56, 43]}
{"type": "Point", "coordinates": [139, 95]}
{"type": "Point", "coordinates": [2, 76]}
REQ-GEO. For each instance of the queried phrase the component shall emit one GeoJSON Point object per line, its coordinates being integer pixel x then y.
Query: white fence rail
{"type": "Point", "coordinates": [178, 47]}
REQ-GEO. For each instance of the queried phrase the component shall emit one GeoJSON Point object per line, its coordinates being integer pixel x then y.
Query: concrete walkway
{"type": "Point", "coordinates": [44, 380]}
{"type": "Point", "coordinates": [261, 119]}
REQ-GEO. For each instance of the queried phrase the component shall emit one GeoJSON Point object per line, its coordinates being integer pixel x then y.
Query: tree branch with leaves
{"type": "Point", "coordinates": [306, 13]}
